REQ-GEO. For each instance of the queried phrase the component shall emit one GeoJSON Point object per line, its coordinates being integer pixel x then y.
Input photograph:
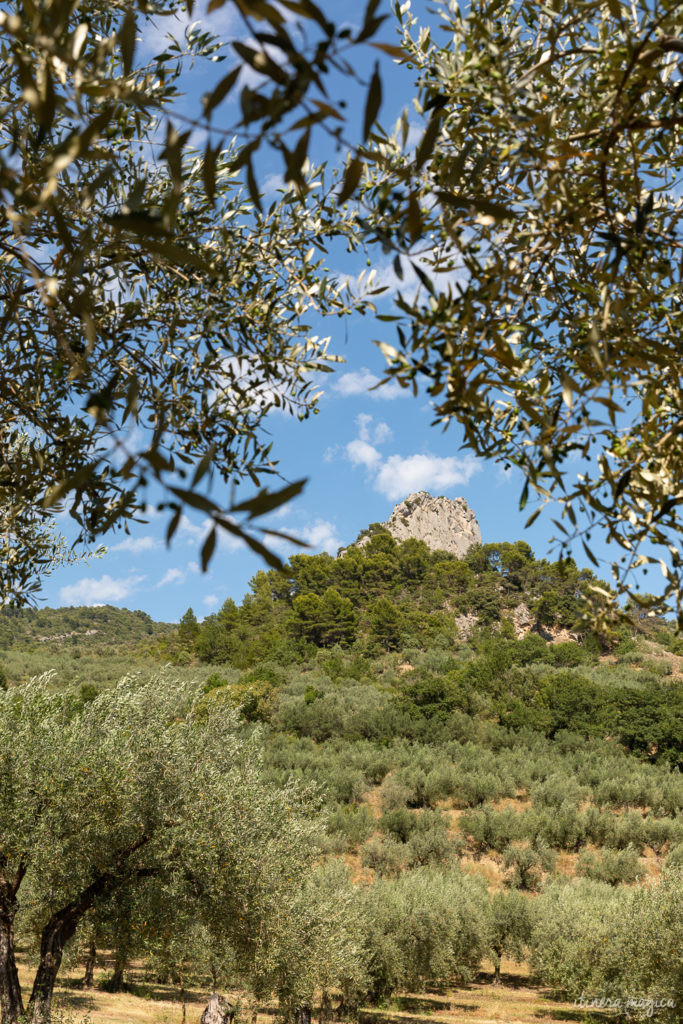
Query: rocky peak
{"type": "Point", "coordinates": [444, 524]}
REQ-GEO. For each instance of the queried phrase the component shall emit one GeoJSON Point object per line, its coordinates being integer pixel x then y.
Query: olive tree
{"type": "Point", "coordinates": [617, 945]}
{"type": "Point", "coordinates": [143, 792]}
{"type": "Point", "coordinates": [153, 310]}
{"type": "Point", "coordinates": [510, 927]}
{"type": "Point", "coordinates": [541, 215]}
{"type": "Point", "coordinates": [425, 927]}
{"type": "Point", "coordinates": [314, 945]}
{"type": "Point", "coordinates": [26, 527]}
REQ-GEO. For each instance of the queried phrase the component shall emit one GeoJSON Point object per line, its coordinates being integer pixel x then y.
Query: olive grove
{"type": "Point", "coordinates": [143, 794]}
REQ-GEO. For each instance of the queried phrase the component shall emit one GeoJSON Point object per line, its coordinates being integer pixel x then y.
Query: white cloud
{"type": "Point", "coordinates": [359, 382]}
{"type": "Point", "coordinates": [249, 383]}
{"type": "Point", "coordinates": [90, 591]}
{"type": "Point", "coordinates": [137, 544]}
{"type": "Point", "coordinates": [384, 275]}
{"type": "Point", "coordinates": [196, 533]}
{"type": "Point", "coordinates": [399, 476]}
{"type": "Point", "coordinates": [382, 432]}
{"type": "Point", "coordinates": [172, 576]}
{"type": "Point", "coordinates": [396, 476]}
{"type": "Point", "coordinates": [221, 22]}
{"type": "Point", "coordinates": [192, 531]}
{"type": "Point", "coordinates": [363, 421]}
{"type": "Point", "coordinates": [211, 600]}
{"type": "Point", "coordinates": [369, 431]}
{"type": "Point", "coordinates": [360, 453]}
{"type": "Point", "coordinates": [322, 536]}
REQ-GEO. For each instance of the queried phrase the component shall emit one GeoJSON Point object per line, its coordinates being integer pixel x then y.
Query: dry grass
{"type": "Point", "coordinates": [157, 1004]}
{"type": "Point", "coordinates": [372, 798]}
{"type": "Point", "coordinates": [516, 1001]}
{"type": "Point", "coordinates": [566, 863]}
{"type": "Point", "coordinates": [486, 867]}
{"type": "Point", "coordinates": [517, 803]}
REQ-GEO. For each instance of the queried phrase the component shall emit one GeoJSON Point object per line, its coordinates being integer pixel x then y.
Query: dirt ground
{"type": "Point", "coordinates": [516, 1001]}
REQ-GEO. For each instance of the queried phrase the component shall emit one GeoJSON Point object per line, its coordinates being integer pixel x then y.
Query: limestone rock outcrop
{"type": "Point", "coordinates": [444, 524]}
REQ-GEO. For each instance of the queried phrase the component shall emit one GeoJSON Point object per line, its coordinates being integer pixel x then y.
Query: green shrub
{"type": "Point", "coordinates": [352, 824]}
{"type": "Point", "coordinates": [399, 824]}
{"type": "Point", "coordinates": [441, 783]}
{"type": "Point", "coordinates": [423, 929]}
{"type": "Point", "coordinates": [525, 868]}
{"type": "Point", "coordinates": [490, 830]}
{"type": "Point", "coordinates": [394, 793]}
{"type": "Point", "coordinates": [214, 682]}
{"type": "Point", "coordinates": [433, 847]}
{"type": "Point", "coordinates": [611, 866]}
{"type": "Point", "coordinates": [662, 832]}
{"type": "Point", "coordinates": [510, 927]}
{"type": "Point", "coordinates": [88, 692]}
{"type": "Point", "coordinates": [385, 856]}
{"type": "Point", "coordinates": [595, 941]}
{"type": "Point", "coordinates": [674, 858]}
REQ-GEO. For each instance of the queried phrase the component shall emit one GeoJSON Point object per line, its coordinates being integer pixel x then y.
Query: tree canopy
{"type": "Point", "coordinates": [141, 794]}
{"type": "Point", "coordinates": [542, 213]}
{"type": "Point", "coordinates": [153, 312]}
{"type": "Point", "coordinates": [540, 210]}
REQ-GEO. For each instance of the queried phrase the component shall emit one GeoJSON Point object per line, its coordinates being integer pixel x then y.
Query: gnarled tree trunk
{"type": "Point", "coordinates": [11, 1003]}
{"type": "Point", "coordinates": [55, 936]}
{"type": "Point", "coordinates": [90, 961]}
{"type": "Point", "coordinates": [120, 963]}
{"type": "Point", "coordinates": [57, 932]}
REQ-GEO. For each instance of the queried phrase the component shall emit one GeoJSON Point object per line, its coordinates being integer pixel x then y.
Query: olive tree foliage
{"type": "Point", "coordinates": [152, 310]}
{"type": "Point", "coordinates": [37, 532]}
{"type": "Point", "coordinates": [141, 795]}
{"type": "Point", "coordinates": [314, 944]}
{"type": "Point", "coordinates": [541, 212]}
{"type": "Point", "coordinates": [425, 927]}
{"type": "Point", "coordinates": [622, 945]}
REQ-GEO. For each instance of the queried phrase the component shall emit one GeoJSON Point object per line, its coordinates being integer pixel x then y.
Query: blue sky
{"type": "Point", "coordinates": [364, 452]}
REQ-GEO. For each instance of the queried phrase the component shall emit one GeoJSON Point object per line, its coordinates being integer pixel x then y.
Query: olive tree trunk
{"type": "Point", "coordinates": [56, 933]}
{"type": "Point", "coordinates": [60, 928]}
{"type": "Point", "coordinates": [11, 1003]}
{"type": "Point", "coordinates": [90, 962]}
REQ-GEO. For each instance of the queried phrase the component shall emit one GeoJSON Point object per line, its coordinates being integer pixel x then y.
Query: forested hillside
{"type": "Point", "coordinates": [89, 647]}
{"type": "Point", "coordinates": [404, 642]}
{"type": "Point", "coordinates": [492, 781]}
{"type": "Point", "coordinates": [99, 627]}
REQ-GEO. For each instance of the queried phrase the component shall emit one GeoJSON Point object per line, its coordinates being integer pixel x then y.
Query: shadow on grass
{"type": "Point", "coordinates": [368, 1016]}
{"type": "Point", "coordinates": [584, 1016]}
{"type": "Point", "coordinates": [506, 980]}
{"type": "Point", "coordinates": [163, 993]}
{"type": "Point", "coordinates": [75, 1000]}
{"type": "Point", "coordinates": [425, 1004]}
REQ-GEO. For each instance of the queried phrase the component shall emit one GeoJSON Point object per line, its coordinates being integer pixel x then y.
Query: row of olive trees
{"type": "Point", "coordinates": [150, 813]}
{"type": "Point", "coordinates": [353, 944]}
{"type": "Point", "coordinates": [435, 928]}
{"type": "Point", "coordinates": [137, 797]}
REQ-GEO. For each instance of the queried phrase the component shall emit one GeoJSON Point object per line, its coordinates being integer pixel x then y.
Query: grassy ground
{"type": "Point", "coordinates": [516, 1001]}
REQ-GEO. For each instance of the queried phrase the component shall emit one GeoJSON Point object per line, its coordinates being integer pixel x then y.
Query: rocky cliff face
{"type": "Point", "coordinates": [444, 524]}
